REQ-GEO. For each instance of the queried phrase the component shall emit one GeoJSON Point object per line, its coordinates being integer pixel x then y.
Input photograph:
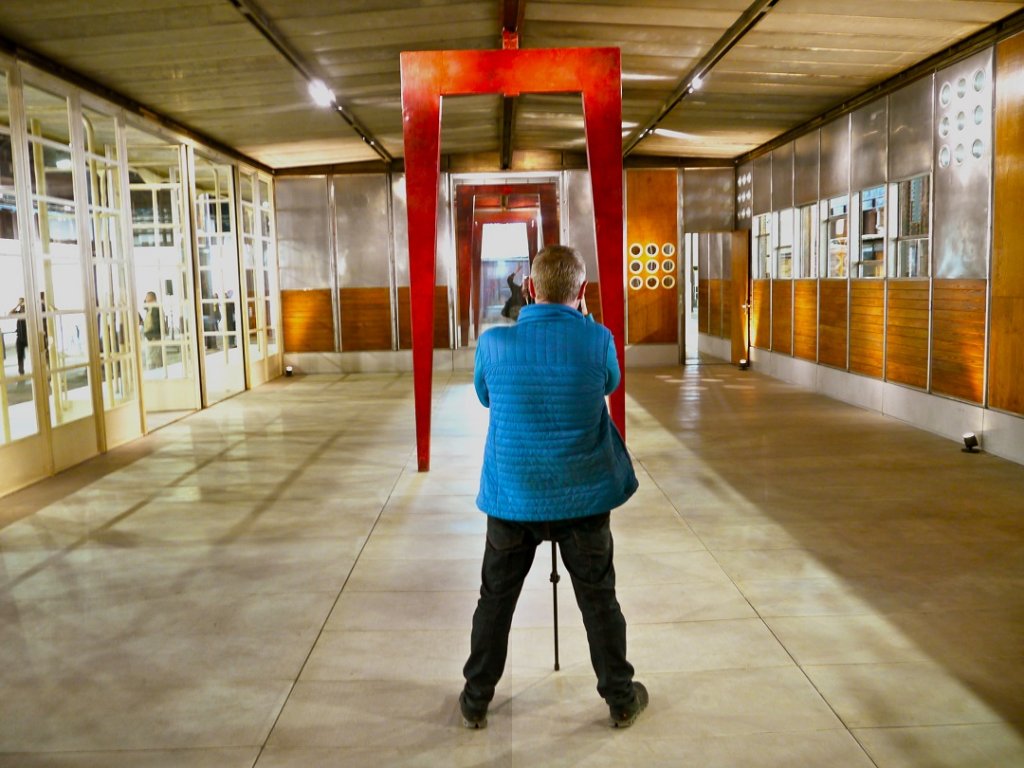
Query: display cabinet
{"type": "Point", "coordinates": [835, 236]}
{"type": "Point", "coordinates": [910, 228]}
{"type": "Point", "coordinates": [871, 253]}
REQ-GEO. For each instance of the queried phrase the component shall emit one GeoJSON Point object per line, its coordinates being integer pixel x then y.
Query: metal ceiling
{"type": "Point", "coordinates": [236, 71]}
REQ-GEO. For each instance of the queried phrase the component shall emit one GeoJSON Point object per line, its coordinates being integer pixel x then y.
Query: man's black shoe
{"type": "Point", "coordinates": [623, 717]}
{"type": "Point", "coordinates": [473, 717]}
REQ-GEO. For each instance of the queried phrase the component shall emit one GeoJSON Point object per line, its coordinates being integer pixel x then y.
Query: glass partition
{"type": "Point", "coordinates": [259, 263]}
{"type": "Point", "coordinates": [807, 241]}
{"type": "Point", "coordinates": [163, 290]}
{"type": "Point", "coordinates": [57, 258]}
{"type": "Point", "coordinates": [217, 254]}
{"type": "Point", "coordinates": [871, 254]}
{"type": "Point", "coordinates": [834, 236]}
{"type": "Point", "coordinates": [762, 233]}
{"type": "Point", "coordinates": [784, 244]}
{"type": "Point", "coordinates": [109, 260]}
{"type": "Point", "coordinates": [17, 316]}
{"type": "Point", "coordinates": [911, 228]}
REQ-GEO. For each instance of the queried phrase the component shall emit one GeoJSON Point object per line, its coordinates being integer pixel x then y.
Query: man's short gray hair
{"type": "Point", "coordinates": [558, 273]}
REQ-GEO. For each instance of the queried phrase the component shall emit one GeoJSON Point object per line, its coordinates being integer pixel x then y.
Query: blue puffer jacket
{"type": "Point", "coordinates": [552, 451]}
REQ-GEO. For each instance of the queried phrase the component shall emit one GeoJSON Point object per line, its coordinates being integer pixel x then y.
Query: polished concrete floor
{"type": "Point", "coordinates": [270, 582]}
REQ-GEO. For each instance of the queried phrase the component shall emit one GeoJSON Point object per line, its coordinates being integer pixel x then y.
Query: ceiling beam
{"type": "Point", "coordinates": [512, 14]}
{"type": "Point", "coordinates": [252, 13]}
{"type": "Point", "coordinates": [746, 22]}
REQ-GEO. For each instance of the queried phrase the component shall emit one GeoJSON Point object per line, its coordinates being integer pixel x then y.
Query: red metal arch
{"type": "Point", "coordinates": [596, 73]}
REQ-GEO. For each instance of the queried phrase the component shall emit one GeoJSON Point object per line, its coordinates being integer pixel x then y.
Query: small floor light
{"type": "Point", "coordinates": [288, 370]}
{"type": "Point", "coordinates": [970, 442]}
{"type": "Point", "coordinates": [744, 364]}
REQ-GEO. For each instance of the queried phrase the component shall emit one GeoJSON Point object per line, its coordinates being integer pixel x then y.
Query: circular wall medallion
{"type": "Point", "coordinates": [636, 283]}
{"type": "Point", "coordinates": [652, 249]}
{"type": "Point", "coordinates": [979, 80]}
{"type": "Point", "coordinates": [668, 249]}
{"type": "Point", "coordinates": [668, 281]}
{"type": "Point", "coordinates": [977, 148]}
{"type": "Point", "coordinates": [636, 266]}
{"type": "Point", "coordinates": [635, 249]}
{"type": "Point", "coordinates": [961, 87]}
{"type": "Point", "coordinates": [653, 282]}
{"type": "Point", "coordinates": [945, 94]}
{"type": "Point", "coordinates": [652, 265]}
{"type": "Point", "coordinates": [944, 157]}
{"type": "Point", "coordinates": [668, 265]}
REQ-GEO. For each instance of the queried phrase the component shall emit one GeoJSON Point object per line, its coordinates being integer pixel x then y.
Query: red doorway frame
{"type": "Point", "coordinates": [595, 73]}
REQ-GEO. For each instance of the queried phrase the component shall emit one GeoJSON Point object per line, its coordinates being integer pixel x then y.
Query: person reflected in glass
{"type": "Point", "coordinates": [152, 329]}
{"type": "Point", "coordinates": [21, 334]}
{"type": "Point", "coordinates": [515, 300]}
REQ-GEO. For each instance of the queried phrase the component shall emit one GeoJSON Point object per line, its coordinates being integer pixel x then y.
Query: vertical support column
{"type": "Point", "coordinates": [421, 118]}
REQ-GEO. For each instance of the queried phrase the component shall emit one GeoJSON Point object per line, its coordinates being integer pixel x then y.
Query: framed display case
{"type": "Point", "coordinates": [909, 225]}
{"type": "Point", "coordinates": [835, 236]}
{"type": "Point", "coordinates": [784, 244]}
{"type": "Point", "coordinates": [871, 253]}
{"type": "Point", "coordinates": [807, 241]}
{"type": "Point", "coordinates": [762, 236]}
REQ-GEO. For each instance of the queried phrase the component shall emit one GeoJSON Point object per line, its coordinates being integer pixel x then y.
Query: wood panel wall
{"type": "Point", "coordinates": [832, 323]}
{"type": "Point", "coordinates": [307, 320]}
{"type": "Point", "coordinates": [761, 315]}
{"type": "Point", "coordinates": [805, 319]}
{"type": "Point", "coordinates": [1006, 324]}
{"type": "Point", "coordinates": [441, 336]}
{"type": "Point", "coordinates": [652, 200]}
{"type": "Point", "coordinates": [867, 327]}
{"type": "Point", "coordinates": [727, 309]}
{"type": "Point", "coordinates": [365, 319]}
{"type": "Point", "coordinates": [593, 297]}
{"type": "Point", "coordinates": [958, 338]}
{"type": "Point", "coordinates": [715, 307]}
{"type": "Point", "coordinates": [703, 304]}
{"type": "Point", "coordinates": [906, 338]}
{"type": "Point", "coordinates": [782, 316]}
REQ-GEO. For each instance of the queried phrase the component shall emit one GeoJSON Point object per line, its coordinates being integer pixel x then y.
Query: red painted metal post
{"type": "Point", "coordinates": [428, 75]}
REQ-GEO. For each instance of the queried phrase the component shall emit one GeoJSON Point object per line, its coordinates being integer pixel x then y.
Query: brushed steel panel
{"type": "Point", "coordinates": [723, 247]}
{"type": "Point", "coordinates": [782, 177]}
{"type": "Point", "coordinates": [963, 167]}
{"type": "Point", "coordinates": [579, 219]}
{"type": "Point", "coordinates": [444, 241]}
{"type": "Point", "coordinates": [744, 195]}
{"type": "Point", "coordinates": [709, 199]}
{"type": "Point", "coordinates": [834, 173]}
{"type": "Point", "coordinates": [762, 184]}
{"type": "Point", "coordinates": [868, 140]}
{"type": "Point", "coordinates": [711, 250]}
{"type": "Point", "coordinates": [361, 215]}
{"type": "Point", "coordinates": [910, 130]}
{"type": "Point", "coordinates": [805, 169]}
{"type": "Point", "coordinates": [303, 232]}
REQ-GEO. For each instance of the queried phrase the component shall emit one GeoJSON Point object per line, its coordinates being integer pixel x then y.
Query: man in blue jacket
{"type": "Point", "coordinates": [554, 466]}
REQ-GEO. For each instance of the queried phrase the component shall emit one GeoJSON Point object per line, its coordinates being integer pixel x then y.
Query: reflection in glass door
{"type": "Point", "coordinates": [163, 278]}
{"type": "Point", "coordinates": [260, 265]}
{"type": "Point", "coordinates": [118, 373]}
{"type": "Point", "coordinates": [216, 249]}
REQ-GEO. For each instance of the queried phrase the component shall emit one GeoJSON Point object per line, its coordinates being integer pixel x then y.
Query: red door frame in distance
{"type": "Point", "coordinates": [595, 73]}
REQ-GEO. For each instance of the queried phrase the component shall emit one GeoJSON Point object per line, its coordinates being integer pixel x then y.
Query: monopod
{"type": "Point", "coordinates": [554, 593]}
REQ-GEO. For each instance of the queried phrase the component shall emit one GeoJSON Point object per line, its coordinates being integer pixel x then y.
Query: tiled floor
{"type": "Point", "coordinates": [271, 583]}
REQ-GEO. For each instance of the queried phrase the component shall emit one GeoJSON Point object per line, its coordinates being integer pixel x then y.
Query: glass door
{"type": "Point", "coordinates": [163, 278]}
{"type": "Point", "coordinates": [260, 265]}
{"type": "Point", "coordinates": [218, 279]}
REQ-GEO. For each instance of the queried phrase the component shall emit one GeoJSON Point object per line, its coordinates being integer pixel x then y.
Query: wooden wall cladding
{"type": "Point", "coordinates": [805, 319]}
{"type": "Point", "coordinates": [832, 323]}
{"type": "Point", "coordinates": [867, 327]}
{"type": "Point", "coordinates": [782, 316]}
{"type": "Point", "coordinates": [703, 302]}
{"type": "Point", "coordinates": [906, 338]}
{"type": "Point", "coordinates": [958, 338]}
{"type": "Point", "coordinates": [593, 297]}
{"type": "Point", "coordinates": [365, 319]}
{"type": "Point", "coordinates": [652, 298]}
{"type": "Point", "coordinates": [307, 321]}
{"type": "Point", "coordinates": [761, 315]}
{"type": "Point", "coordinates": [715, 307]}
{"type": "Point", "coordinates": [441, 337]}
{"type": "Point", "coordinates": [1006, 324]}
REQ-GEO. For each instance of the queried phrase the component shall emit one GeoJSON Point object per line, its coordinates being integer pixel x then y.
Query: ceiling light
{"type": "Point", "coordinates": [670, 134]}
{"type": "Point", "coordinates": [696, 83]}
{"type": "Point", "coordinates": [322, 95]}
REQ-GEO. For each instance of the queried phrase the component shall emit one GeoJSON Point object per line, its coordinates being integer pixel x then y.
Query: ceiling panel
{"type": "Point", "coordinates": [204, 65]}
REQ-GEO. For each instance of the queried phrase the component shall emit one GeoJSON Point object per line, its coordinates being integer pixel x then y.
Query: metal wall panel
{"type": "Point", "coordinates": [834, 173]}
{"type": "Point", "coordinates": [963, 167]}
{"type": "Point", "coordinates": [361, 215]}
{"type": "Point", "coordinates": [445, 247]}
{"type": "Point", "coordinates": [303, 232]}
{"type": "Point", "coordinates": [868, 139]}
{"type": "Point", "coordinates": [712, 251]}
{"type": "Point", "coordinates": [782, 177]}
{"type": "Point", "coordinates": [579, 219]}
{"type": "Point", "coordinates": [744, 195]}
{"type": "Point", "coordinates": [723, 248]}
{"type": "Point", "coordinates": [709, 199]}
{"type": "Point", "coordinates": [910, 130]}
{"type": "Point", "coordinates": [805, 169]}
{"type": "Point", "coordinates": [762, 184]}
